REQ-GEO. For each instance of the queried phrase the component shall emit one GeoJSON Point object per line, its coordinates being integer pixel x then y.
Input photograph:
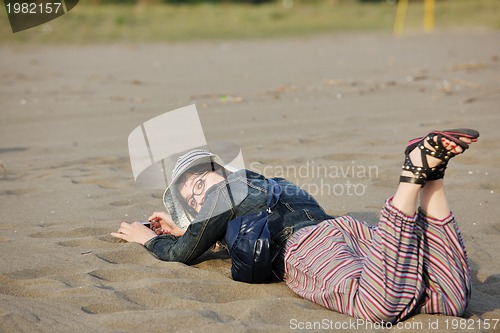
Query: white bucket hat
{"type": "Point", "coordinates": [171, 197]}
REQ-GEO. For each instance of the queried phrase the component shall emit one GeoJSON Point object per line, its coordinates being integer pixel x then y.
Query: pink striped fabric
{"type": "Point", "coordinates": [405, 265]}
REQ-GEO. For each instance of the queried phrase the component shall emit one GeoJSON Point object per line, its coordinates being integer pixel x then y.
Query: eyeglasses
{"type": "Point", "coordinates": [198, 188]}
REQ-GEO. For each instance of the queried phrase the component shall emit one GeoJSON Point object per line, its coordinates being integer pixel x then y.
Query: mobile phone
{"type": "Point", "coordinates": [147, 224]}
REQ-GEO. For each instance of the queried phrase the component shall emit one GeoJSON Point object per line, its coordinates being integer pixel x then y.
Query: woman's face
{"type": "Point", "coordinates": [195, 186]}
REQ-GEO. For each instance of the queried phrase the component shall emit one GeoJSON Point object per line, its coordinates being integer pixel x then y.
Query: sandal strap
{"type": "Point", "coordinates": [440, 152]}
{"type": "Point", "coordinates": [413, 180]}
{"type": "Point", "coordinates": [419, 172]}
{"type": "Point", "coordinates": [438, 174]}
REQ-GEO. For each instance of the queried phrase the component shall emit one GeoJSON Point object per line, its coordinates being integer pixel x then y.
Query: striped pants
{"type": "Point", "coordinates": [404, 266]}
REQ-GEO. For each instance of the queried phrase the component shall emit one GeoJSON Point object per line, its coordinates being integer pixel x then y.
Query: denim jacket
{"type": "Point", "coordinates": [242, 192]}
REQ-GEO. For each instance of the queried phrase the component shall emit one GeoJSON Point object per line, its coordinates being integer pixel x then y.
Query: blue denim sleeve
{"type": "Point", "coordinates": [208, 227]}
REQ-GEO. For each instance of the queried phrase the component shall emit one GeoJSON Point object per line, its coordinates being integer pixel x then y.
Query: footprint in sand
{"type": "Point", "coordinates": [17, 191]}
{"type": "Point", "coordinates": [87, 243]}
{"type": "Point", "coordinates": [33, 283]}
{"type": "Point", "coordinates": [29, 273]}
{"type": "Point", "coordinates": [102, 183]}
{"type": "Point", "coordinates": [125, 257]}
{"type": "Point", "coordinates": [122, 203]}
{"type": "Point", "coordinates": [101, 308]}
{"type": "Point", "coordinates": [75, 233]}
{"type": "Point", "coordinates": [124, 274]}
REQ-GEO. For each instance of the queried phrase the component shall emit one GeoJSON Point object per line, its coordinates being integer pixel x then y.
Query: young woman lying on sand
{"type": "Point", "coordinates": [413, 262]}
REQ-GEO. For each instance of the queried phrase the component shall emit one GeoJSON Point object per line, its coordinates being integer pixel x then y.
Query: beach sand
{"type": "Point", "coordinates": [344, 102]}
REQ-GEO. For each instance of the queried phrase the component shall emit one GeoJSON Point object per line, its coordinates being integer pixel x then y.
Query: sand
{"type": "Point", "coordinates": [338, 101]}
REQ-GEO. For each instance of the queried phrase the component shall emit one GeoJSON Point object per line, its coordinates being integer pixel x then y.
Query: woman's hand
{"type": "Point", "coordinates": [134, 232]}
{"type": "Point", "coordinates": [162, 224]}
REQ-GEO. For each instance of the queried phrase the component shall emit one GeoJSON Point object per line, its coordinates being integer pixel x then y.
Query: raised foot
{"type": "Point", "coordinates": [426, 158]}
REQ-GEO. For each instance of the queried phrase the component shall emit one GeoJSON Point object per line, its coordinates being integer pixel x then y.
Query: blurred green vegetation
{"type": "Point", "coordinates": [179, 2]}
{"type": "Point", "coordinates": [154, 21]}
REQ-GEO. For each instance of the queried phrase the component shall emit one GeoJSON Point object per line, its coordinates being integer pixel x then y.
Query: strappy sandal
{"type": "Point", "coordinates": [425, 172]}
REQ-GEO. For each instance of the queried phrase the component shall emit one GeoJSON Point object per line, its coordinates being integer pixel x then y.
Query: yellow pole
{"type": "Point", "coordinates": [429, 15]}
{"type": "Point", "coordinates": [399, 22]}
